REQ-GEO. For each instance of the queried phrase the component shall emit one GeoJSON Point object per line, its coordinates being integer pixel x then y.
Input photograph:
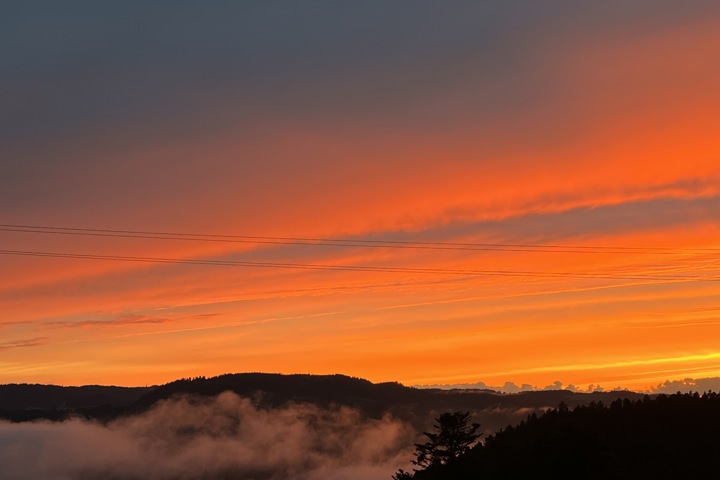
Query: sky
{"type": "Point", "coordinates": [423, 192]}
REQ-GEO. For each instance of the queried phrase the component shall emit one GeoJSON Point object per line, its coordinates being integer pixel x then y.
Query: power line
{"type": "Point", "coordinates": [359, 268]}
{"type": "Point", "coordinates": [358, 243]}
{"type": "Point", "coordinates": [303, 241]}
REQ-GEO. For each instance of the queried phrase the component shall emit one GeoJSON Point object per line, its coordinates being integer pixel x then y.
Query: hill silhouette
{"type": "Point", "coordinates": [416, 406]}
{"type": "Point", "coordinates": [27, 402]}
{"type": "Point", "coordinates": [33, 396]}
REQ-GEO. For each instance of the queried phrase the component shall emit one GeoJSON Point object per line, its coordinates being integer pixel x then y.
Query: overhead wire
{"type": "Point", "coordinates": [361, 268]}
{"type": "Point", "coordinates": [362, 243]}
{"type": "Point", "coordinates": [681, 275]}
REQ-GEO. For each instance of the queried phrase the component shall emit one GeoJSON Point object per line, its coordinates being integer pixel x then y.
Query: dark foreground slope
{"type": "Point", "coordinates": [673, 436]}
{"type": "Point", "coordinates": [416, 406]}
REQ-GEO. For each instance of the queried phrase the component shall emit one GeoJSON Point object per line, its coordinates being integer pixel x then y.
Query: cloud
{"type": "Point", "coordinates": [30, 342]}
{"type": "Point", "coordinates": [688, 385]}
{"type": "Point", "coordinates": [122, 320]}
{"type": "Point", "coordinates": [510, 387]}
{"type": "Point", "coordinates": [507, 387]}
{"type": "Point", "coordinates": [129, 320]}
{"type": "Point", "coordinates": [209, 438]}
{"type": "Point", "coordinates": [668, 386]}
{"type": "Point", "coordinates": [9, 324]}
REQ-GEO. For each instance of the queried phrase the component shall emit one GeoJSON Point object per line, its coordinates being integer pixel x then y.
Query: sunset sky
{"type": "Point", "coordinates": [423, 192]}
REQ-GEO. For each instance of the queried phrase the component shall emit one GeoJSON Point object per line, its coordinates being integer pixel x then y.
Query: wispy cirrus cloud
{"type": "Point", "coordinates": [29, 342]}
{"type": "Point", "coordinates": [131, 320]}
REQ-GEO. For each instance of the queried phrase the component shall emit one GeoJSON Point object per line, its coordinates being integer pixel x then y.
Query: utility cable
{"type": "Point", "coordinates": [359, 268]}
{"type": "Point", "coordinates": [358, 243]}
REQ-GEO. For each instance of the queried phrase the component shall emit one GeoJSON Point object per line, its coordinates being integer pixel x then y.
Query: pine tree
{"type": "Point", "coordinates": [454, 436]}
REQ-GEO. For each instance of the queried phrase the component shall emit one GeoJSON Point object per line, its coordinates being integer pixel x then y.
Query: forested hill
{"type": "Point", "coordinates": [417, 406]}
{"type": "Point", "coordinates": [53, 397]}
{"type": "Point", "coordinates": [375, 399]}
{"type": "Point", "coordinates": [664, 437]}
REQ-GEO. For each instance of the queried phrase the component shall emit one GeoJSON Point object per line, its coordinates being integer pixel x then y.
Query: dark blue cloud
{"type": "Point", "coordinates": [72, 66]}
{"type": "Point", "coordinates": [99, 76]}
{"type": "Point", "coordinates": [578, 222]}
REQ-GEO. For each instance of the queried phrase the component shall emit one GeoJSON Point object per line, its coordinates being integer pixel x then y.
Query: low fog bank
{"type": "Point", "coordinates": [223, 437]}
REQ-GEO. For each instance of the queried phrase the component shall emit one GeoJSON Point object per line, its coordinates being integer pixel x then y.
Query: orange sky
{"type": "Point", "coordinates": [590, 128]}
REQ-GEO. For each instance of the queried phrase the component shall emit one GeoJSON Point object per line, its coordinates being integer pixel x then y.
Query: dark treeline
{"type": "Point", "coordinates": [28, 402]}
{"type": "Point", "coordinates": [676, 436]}
{"type": "Point", "coordinates": [25, 396]}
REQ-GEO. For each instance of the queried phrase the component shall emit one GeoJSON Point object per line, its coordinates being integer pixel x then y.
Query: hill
{"type": "Point", "coordinates": [27, 402]}
{"type": "Point", "coordinates": [416, 406]}
{"type": "Point", "coordinates": [51, 397]}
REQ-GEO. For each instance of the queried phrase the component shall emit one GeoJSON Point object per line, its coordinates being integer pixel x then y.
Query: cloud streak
{"type": "Point", "coordinates": [130, 319]}
{"type": "Point", "coordinates": [29, 342]}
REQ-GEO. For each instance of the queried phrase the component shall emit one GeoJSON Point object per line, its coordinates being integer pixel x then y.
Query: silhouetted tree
{"type": "Point", "coordinates": [454, 436]}
{"type": "Point", "coordinates": [402, 475]}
